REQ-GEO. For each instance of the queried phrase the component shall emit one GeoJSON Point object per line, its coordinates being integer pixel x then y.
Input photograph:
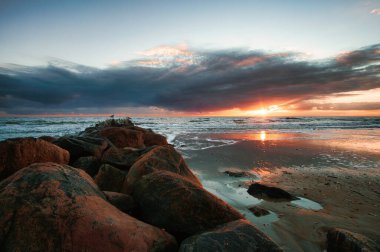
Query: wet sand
{"type": "Point", "coordinates": [336, 173]}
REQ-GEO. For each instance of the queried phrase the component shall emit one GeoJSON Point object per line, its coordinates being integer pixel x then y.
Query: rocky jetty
{"type": "Point", "coordinates": [112, 187]}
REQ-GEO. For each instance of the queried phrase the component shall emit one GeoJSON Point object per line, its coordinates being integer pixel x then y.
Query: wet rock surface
{"type": "Point", "coordinates": [270, 193]}
{"type": "Point", "coordinates": [178, 205]}
{"type": "Point", "coordinates": [89, 164]}
{"type": "Point", "coordinates": [258, 211]}
{"type": "Point", "coordinates": [82, 146]}
{"type": "Point", "coordinates": [51, 207]}
{"type": "Point", "coordinates": [110, 178]}
{"type": "Point", "coordinates": [238, 173]}
{"type": "Point", "coordinates": [122, 137]}
{"type": "Point", "coordinates": [123, 202]}
{"type": "Point", "coordinates": [122, 158]}
{"type": "Point", "coordinates": [18, 153]}
{"type": "Point", "coordinates": [151, 138]}
{"type": "Point", "coordinates": [164, 158]}
{"type": "Point", "coordinates": [234, 236]}
{"type": "Point", "coordinates": [341, 240]}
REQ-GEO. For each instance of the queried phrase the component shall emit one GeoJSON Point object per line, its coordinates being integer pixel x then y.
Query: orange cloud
{"type": "Point", "coordinates": [180, 50]}
{"type": "Point", "coordinates": [249, 61]}
{"type": "Point", "coordinates": [375, 11]}
{"type": "Point", "coordinates": [150, 62]}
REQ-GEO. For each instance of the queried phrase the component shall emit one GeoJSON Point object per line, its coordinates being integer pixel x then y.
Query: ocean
{"type": "Point", "coordinates": [193, 132]}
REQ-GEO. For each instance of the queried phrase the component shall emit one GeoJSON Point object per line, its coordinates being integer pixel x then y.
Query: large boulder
{"type": "Point", "coordinates": [51, 207]}
{"type": "Point", "coordinates": [82, 146]}
{"type": "Point", "coordinates": [151, 138]}
{"type": "Point", "coordinates": [178, 205]}
{"type": "Point", "coordinates": [341, 240]}
{"type": "Point", "coordinates": [18, 153]}
{"type": "Point", "coordinates": [122, 158]}
{"type": "Point", "coordinates": [48, 138]}
{"type": "Point", "coordinates": [234, 236]}
{"type": "Point", "coordinates": [123, 202]}
{"type": "Point", "coordinates": [89, 164]}
{"type": "Point", "coordinates": [123, 137]}
{"type": "Point", "coordinates": [160, 158]}
{"type": "Point", "coordinates": [110, 178]}
{"type": "Point", "coordinates": [268, 192]}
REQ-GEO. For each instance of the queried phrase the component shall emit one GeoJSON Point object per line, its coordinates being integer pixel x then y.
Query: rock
{"type": "Point", "coordinates": [82, 146]}
{"type": "Point", "coordinates": [51, 207]}
{"type": "Point", "coordinates": [48, 138]}
{"type": "Point", "coordinates": [89, 164]}
{"type": "Point", "coordinates": [123, 202]}
{"type": "Point", "coordinates": [18, 153]}
{"type": "Point", "coordinates": [340, 240]}
{"type": "Point", "coordinates": [159, 158]}
{"type": "Point", "coordinates": [121, 158]}
{"type": "Point", "coordinates": [110, 178]}
{"type": "Point", "coordinates": [237, 236]}
{"type": "Point", "coordinates": [272, 193]}
{"type": "Point", "coordinates": [178, 205]}
{"type": "Point", "coordinates": [237, 173]}
{"type": "Point", "coordinates": [122, 137]}
{"type": "Point", "coordinates": [258, 211]}
{"type": "Point", "coordinates": [151, 138]}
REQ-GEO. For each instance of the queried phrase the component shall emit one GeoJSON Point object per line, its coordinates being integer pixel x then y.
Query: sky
{"type": "Point", "coordinates": [179, 58]}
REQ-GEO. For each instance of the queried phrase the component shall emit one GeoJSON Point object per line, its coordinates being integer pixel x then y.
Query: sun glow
{"type": "Point", "coordinates": [264, 111]}
{"type": "Point", "coordinates": [263, 135]}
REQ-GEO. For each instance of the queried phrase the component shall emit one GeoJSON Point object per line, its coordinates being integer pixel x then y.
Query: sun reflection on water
{"type": "Point", "coordinates": [263, 135]}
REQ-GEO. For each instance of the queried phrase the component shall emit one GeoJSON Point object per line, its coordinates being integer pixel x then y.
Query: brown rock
{"type": "Point", "coordinates": [122, 137]}
{"type": "Point", "coordinates": [121, 158]}
{"type": "Point", "coordinates": [151, 138]}
{"type": "Point", "coordinates": [164, 158]}
{"type": "Point", "coordinates": [258, 211]}
{"type": "Point", "coordinates": [51, 207]}
{"type": "Point", "coordinates": [235, 236]}
{"type": "Point", "coordinates": [110, 178]}
{"type": "Point", "coordinates": [270, 193]}
{"type": "Point", "coordinates": [123, 202]}
{"type": "Point", "coordinates": [89, 164]}
{"type": "Point", "coordinates": [18, 153]}
{"type": "Point", "coordinates": [82, 146]}
{"type": "Point", "coordinates": [341, 240]}
{"type": "Point", "coordinates": [237, 173]}
{"type": "Point", "coordinates": [48, 138]}
{"type": "Point", "coordinates": [178, 205]}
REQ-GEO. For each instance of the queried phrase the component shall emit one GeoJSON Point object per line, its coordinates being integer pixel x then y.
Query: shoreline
{"type": "Point", "coordinates": [339, 182]}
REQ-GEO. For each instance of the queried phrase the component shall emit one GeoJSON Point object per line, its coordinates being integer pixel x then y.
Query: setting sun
{"type": "Point", "coordinates": [264, 111]}
{"type": "Point", "coordinates": [263, 135]}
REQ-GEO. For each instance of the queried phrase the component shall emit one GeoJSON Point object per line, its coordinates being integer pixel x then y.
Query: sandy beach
{"type": "Point", "coordinates": [336, 177]}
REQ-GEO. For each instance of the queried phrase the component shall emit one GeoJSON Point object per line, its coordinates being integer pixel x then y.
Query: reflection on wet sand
{"type": "Point", "coordinates": [323, 168]}
{"type": "Point", "coordinates": [263, 135]}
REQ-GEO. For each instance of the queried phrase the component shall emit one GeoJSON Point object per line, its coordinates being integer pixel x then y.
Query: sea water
{"type": "Point", "coordinates": [190, 128]}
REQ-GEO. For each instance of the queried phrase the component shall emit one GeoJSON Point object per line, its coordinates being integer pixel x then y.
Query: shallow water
{"type": "Point", "coordinates": [307, 204]}
{"type": "Point", "coordinates": [174, 126]}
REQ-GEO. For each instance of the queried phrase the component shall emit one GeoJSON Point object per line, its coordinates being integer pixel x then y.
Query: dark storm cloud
{"type": "Point", "coordinates": [203, 81]}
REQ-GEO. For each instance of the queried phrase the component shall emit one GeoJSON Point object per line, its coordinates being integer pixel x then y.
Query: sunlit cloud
{"type": "Point", "coordinates": [180, 80]}
{"type": "Point", "coordinates": [375, 11]}
{"type": "Point", "coordinates": [179, 50]}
